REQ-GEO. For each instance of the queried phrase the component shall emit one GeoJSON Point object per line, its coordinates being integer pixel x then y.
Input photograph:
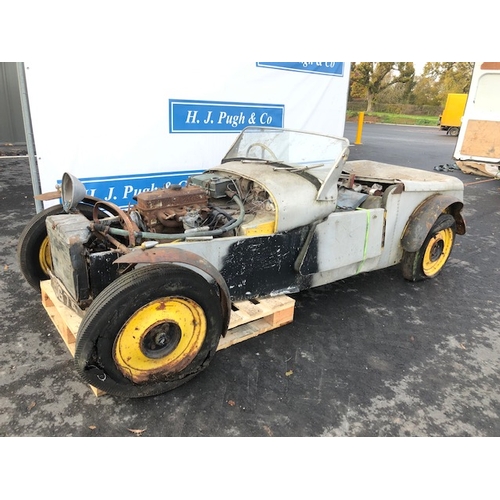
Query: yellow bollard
{"type": "Point", "coordinates": [360, 127]}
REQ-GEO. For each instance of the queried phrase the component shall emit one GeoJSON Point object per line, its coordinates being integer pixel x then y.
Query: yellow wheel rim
{"type": "Point", "coordinates": [437, 252]}
{"type": "Point", "coordinates": [44, 256]}
{"type": "Point", "coordinates": [160, 338]}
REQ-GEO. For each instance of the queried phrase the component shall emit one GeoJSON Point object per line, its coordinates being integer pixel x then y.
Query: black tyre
{"type": "Point", "coordinates": [150, 331]}
{"type": "Point", "coordinates": [430, 259]}
{"type": "Point", "coordinates": [453, 131]}
{"type": "Point", "coordinates": [33, 248]}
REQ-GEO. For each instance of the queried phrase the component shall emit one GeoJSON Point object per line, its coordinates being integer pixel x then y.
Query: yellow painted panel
{"type": "Point", "coordinates": [454, 110]}
{"type": "Point", "coordinates": [259, 230]}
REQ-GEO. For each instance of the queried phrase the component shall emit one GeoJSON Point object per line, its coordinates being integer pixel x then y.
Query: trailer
{"type": "Point", "coordinates": [478, 145]}
{"type": "Point", "coordinates": [451, 118]}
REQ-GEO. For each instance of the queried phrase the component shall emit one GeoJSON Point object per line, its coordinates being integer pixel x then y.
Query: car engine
{"type": "Point", "coordinates": [83, 251]}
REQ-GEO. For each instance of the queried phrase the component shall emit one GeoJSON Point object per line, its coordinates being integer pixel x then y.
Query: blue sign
{"type": "Point", "coordinates": [121, 190]}
{"type": "Point", "coordinates": [322, 68]}
{"type": "Point", "coordinates": [212, 116]}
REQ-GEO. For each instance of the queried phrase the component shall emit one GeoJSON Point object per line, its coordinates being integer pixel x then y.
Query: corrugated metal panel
{"type": "Point", "coordinates": [11, 117]}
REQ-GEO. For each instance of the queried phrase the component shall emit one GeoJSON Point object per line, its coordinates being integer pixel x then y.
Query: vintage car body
{"type": "Point", "coordinates": [341, 241]}
{"type": "Point", "coordinates": [283, 212]}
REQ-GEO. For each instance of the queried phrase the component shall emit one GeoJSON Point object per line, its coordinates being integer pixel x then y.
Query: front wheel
{"type": "Point", "coordinates": [430, 259]}
{"type": "Point", "coordinates": [150, 331]}
{"type": "Point", "coordinates": [33, 247]}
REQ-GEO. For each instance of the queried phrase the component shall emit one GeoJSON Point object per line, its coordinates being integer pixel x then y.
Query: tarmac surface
{"type": "Point", "coordinates": [373, 355]}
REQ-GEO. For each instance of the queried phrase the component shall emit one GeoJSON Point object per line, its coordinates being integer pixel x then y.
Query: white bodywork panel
{"type": "Point", "coordinates": [413, 179]}
{"type": "Point", "coordinates": [293, 196]}
{"type": "Point", "coordinates": [347, 242]}
{"type": "Point", "coordinates": [349, 237]}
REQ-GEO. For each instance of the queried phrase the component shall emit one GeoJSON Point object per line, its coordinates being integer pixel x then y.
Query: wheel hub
{"type": "Point", "coordinates": [437, 252]}
{"type": "Point", "coordinates": [45, 257]}
{"type": "Point", "coordinates": [160, 339]}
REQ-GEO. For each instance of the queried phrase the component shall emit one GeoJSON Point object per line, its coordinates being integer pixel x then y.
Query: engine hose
{"type": "Point", "coordinates": [182, 236]}
{"type": "Point", "coordinates": [229, 218]}
{"type": "Point", "coordinates": [116, 210]}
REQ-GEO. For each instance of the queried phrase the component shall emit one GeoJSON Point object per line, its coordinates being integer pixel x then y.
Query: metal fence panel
{"type": "Point", "coordinates": [11, 117]}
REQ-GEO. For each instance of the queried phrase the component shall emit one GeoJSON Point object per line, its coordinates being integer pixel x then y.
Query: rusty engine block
{"type": "Point", "coordinates": [171, 209]}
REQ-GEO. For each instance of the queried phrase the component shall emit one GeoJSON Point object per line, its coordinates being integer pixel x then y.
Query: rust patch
{"type": "Point", "coordinates": [490, 65]}
{"type": "Point", "coordinates": [53, 195]}
{"type": "Point", "coordinates": [176, 255]}
{"type": "Point", "coordinates": [163, 372]}
{"type": "Point", "coordinates": [165, 208]}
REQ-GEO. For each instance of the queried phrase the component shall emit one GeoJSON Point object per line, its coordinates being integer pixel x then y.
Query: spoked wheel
{"type": "Point", "coordinates": [430, 259]}
{"type": "Point", "coordinates": [150, 331]}
{"type": "Point", "coordinates": [33, 248]}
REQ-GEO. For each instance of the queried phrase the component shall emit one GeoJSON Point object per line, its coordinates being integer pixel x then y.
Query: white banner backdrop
{"type": "Point", "coordinates": [123, 128]}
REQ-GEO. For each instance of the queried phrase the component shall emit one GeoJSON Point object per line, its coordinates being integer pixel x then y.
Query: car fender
{"type": "Point", "coordinates": [158, 255]}
{"type": "Point", "coordinates": [425, 215]}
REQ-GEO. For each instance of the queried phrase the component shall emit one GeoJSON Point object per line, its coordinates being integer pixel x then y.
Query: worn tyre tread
{"type": "Point", "coordinates": [411, 262]}
{"type": "Point", "coordinates": [28, 246]}
{"type": "Point", "coordinates": [144, 283]}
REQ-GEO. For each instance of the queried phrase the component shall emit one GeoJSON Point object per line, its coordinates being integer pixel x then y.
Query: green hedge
{"type": "Point", "coordinates": [398, 109]}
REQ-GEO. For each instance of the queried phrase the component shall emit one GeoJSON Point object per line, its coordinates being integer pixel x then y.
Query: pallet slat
{"type": "Point", "coordinates": [65, 320]}
{"type": "Point", "coordinates": [249, 319]}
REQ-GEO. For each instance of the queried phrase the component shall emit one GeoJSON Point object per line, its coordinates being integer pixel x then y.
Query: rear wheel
{"type": "Point", "coordinates": [430, 259]}
{"type": "Point", "coordinates": [150, 331]}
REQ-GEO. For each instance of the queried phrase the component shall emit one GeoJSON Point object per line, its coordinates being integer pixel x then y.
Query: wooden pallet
{"type": "Point", "coordinates": [249, 318]}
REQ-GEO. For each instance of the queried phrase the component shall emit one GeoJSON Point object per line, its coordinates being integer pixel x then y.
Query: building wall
{"type": "Point", "coordinates": [11, 118]}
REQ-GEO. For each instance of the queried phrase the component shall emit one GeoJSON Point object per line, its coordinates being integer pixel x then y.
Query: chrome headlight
{"type": "Point", "coordinates": [72, 192]}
